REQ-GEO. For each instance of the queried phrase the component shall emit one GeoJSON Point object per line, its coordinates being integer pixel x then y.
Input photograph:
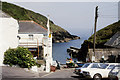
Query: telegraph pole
{"type": "Point", "coordinates": [96, 17]}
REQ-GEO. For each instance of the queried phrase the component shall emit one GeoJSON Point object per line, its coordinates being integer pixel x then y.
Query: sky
{"type": "Point", "coordinates": [76, 17]}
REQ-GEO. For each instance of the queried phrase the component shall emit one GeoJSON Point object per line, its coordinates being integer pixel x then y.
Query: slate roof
{"type": "Point", "coordinates": [4, 15]}
{"type": "Point", "coordinates": [32, 27]}
{"type": "Point", "coordinates": [114, 41]}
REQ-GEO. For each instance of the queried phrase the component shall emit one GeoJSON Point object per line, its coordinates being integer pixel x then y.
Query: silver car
{"type": "Point", "coordinates": [115, 73]}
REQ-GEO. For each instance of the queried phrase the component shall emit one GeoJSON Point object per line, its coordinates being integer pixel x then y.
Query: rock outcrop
{"type": "Point", "coordinates": [63, 37]}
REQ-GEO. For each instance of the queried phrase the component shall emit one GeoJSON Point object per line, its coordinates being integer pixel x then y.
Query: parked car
{"type": "Point", "coordinates": [97, 71]}
{"type": "Point", "coordinates": [79, 70]}
{"type": "Point", "coordinates": [115, 73]}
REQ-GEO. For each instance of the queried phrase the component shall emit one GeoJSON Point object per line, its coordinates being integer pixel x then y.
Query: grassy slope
{"type": "Point", "coordinates": [20, 13]}
{"type": "Point", "coordinates": [103, 35]}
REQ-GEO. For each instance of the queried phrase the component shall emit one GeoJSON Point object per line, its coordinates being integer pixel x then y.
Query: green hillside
{"type": "Point", "coordinates": [103, 35]}
{"type": "Point", "coordinates": [19, 13]}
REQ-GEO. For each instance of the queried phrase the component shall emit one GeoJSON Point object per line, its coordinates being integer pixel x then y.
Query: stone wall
{"type": "Point", "coordinates": [106, 52]}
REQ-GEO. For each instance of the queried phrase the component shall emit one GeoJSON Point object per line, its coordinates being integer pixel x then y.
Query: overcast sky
{"type": "Point", "coordinates": [76, 17]}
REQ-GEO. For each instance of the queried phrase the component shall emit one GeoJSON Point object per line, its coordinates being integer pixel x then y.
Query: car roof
{"type": "Point", "coordinates": [112, 63]}
{"type": "Point", "coordinates": [97, 63]}
{"type": "Point", "coordinates": [93, 63]}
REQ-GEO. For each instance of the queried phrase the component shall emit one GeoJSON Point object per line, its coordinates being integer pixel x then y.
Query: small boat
{"type": "Point", "coordinates": [70, 63]}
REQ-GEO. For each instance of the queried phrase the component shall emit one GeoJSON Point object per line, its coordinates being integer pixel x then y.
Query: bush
{"type": "Point", "coordinates": [19, 56]}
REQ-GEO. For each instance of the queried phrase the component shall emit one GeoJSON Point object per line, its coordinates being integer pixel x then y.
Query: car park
{"type": "Point", "coordinates": [115, 73]}
{"type": "Point", "coordinates": [97, 71]}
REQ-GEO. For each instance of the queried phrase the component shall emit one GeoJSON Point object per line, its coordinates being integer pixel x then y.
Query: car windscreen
{"type": "Point", "coordinates": [85, 65]}
{"type": "Point", "coordinates": [95, 66]}
{"type": "Point", "coordinates": [103, 66]}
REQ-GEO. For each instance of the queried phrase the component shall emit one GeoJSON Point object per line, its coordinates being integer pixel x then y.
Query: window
{"type": "Point", "coordinates": [85, 65]}
{"type": "Point", "coordinates": [111, 66]}
{"type": "Point", "coordinates": [30, 36]}
{"type": "Point", "coordinates": [95, 66]}
{"type": "Point", "coordinates": [115, 70]}
{"type": "Point", "coordinates": [103, 66]}
{"type": "Point", "coordinates": [19, 37]}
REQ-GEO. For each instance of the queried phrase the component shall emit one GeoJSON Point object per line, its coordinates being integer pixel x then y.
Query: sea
{"type": "Point", "coordinates": [60, 49]}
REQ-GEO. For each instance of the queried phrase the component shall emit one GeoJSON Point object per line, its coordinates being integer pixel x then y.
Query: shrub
{"type": "Point", "coordinates": [19, 56]}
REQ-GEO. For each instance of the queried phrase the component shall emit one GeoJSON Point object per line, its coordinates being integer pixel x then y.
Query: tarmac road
{"type": "Point", "coordinates": [12, 73]}
{"type": "Point", "coordinates": [64, 74]}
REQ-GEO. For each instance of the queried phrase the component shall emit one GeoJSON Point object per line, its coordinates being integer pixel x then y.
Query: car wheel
{"type": "Point", "coordinates": [97, 77]}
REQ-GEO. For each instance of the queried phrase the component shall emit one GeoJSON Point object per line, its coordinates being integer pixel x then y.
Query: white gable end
{"type": "Point", "coordinates": [8, 35]}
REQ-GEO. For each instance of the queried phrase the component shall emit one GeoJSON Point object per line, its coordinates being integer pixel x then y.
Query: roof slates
{"type": "Point", "coordinates": [31, 27]}
{"type": "Point", "coordinates": [113, 40]}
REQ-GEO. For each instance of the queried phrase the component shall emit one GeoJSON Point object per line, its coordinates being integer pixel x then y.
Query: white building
{"type": "Point", "coordinates": [27, 34]}
{"type": "Point", "coordinates": [8, 34]}
{"type": "Point", "coordinates": [37, 39]}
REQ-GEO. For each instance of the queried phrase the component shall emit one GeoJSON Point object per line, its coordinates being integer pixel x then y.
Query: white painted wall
{"type": "Point", "coordinates": [26, 41]}
{"type": "Point", "coordinates": [50, 49]}
{"type": "Point", "coordinates": [42, 40]}
{"type": "Point", "coordinates": [8, 35]}
{"type": "Point", "coordinates": [48, 52]}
